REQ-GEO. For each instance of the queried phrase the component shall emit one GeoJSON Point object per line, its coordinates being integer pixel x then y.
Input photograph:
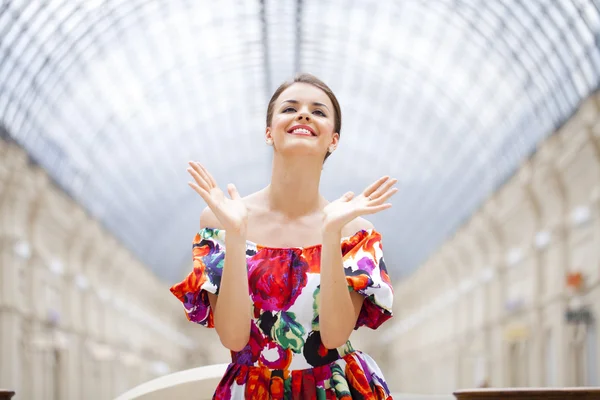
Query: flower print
{"type": "Point", "coordinates": [339, 383]}
{"type": "Point", "coordinates": [316, 297]}
{"type": "Point", "coordinates": [208, 258]}
{"type": "Point", "coordinates": [277, 280]}
{"type": "Point", "coordinates": [357, 280]}
{"type": "Point", "coordinates": [312, 255]}
{"type": "Point", "coordinates": [362, 241]}
{"type": "Point", "coordinates": [250, 353]}
{"type": "Point", "coordinates": [288, 333]}
{"type": "Point", "coordinates": [315, 353]}
{"type": "Point", "coordinates": [266, 320]}
{"type": "Point", "coordinates": [257, 385]}
{"type": "Point", "coordinates": [383, 272]}
{"type": "Point", "coordinates": [282, 360]}
{"type": "Point", "coordinates": [277, 390]}
{"type": "Point", "coordinates": [284, 330]}
{"type": "Point", "coordinates": [209, 253]}
{"type": "Point", "coordinates": [356, 378]}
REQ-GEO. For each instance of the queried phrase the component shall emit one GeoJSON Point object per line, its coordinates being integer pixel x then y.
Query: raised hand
{"type": "Point", "coordinates": [372, 200]}
{"type": "Point", "coordinates": [231, 213]}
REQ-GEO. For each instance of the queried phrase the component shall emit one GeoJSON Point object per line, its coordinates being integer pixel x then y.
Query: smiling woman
{"type": "Point", "coordinates": [318, 109]}
{"type": "Point", "coordinates": [314, 269]}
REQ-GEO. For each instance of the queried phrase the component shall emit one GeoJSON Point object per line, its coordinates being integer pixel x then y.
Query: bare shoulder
{"type": "Point", "coordinates": [208, 219]}
{"type": "Point", "coordinates": [356, 225]}
{"type": "Point", "coordinates": [255, 200]}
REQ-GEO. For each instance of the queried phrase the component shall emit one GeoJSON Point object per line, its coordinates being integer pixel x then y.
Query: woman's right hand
{"type": "Point", "coordinates": [231, 213]}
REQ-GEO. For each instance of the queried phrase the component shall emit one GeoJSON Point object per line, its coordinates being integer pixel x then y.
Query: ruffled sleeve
{"type": "Point", "coordinates": [367, 275]}
{"type": "Point", "coordinates": [208, 255]}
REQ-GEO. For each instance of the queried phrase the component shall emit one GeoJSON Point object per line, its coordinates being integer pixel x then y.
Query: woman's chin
{"type": "Point", "coordinates": [300, 149]}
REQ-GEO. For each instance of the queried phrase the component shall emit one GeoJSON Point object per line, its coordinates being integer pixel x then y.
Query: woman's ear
{"type": "Point", "coordinates": [335, 138]}
{"type": "Point", "coordinates": [268, 137]}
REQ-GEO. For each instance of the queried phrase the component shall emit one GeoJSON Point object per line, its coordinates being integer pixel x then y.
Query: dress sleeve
{"type": "Point", "coordinates": [366, 274]}
{"type": "Point", "coordinates": [208, 255]}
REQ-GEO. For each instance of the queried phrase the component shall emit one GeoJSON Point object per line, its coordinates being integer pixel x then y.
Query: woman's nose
{"type": "Point", "coordinates": [303, 115]}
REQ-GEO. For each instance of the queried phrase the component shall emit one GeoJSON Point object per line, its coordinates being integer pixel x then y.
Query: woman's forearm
{"type": "Point", "coordinates": [337, 315]}
{"type": "Point", "coordinates": [233, 307]}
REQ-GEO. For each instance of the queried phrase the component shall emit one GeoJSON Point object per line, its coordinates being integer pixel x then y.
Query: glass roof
{"type": "Point", "coordinates": [113, 98]}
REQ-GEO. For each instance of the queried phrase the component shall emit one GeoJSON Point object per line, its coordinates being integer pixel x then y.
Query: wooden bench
{"type": "Point", "coordinates": [529, 394]}
{"type": "Point", "coordinates": [6, 394]}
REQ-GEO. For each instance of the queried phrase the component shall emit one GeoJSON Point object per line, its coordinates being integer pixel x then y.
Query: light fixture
{"type": "Point", "coordinates": [22, 249]}
{"type": "Point", "coordinates": [81, 282]}
{"type": "Point", "coordinates": [487, 274]}
{"type": "Point", "coordinates": [56, 267]}
{"type": "Point", "coordinates": [580, 215]}
{"type": "Point", "coordinates": [542, 239]}
{"type": "Point", "coordinates": [514, 257]}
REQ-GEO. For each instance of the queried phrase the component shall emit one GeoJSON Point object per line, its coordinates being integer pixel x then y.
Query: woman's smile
{"type": "Point", "coordinates": [302, 130]}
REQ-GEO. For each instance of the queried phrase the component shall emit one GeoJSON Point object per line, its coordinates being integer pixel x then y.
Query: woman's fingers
{"type": "Point", "coordinates": [383, 188]}
{"type": "Point", "coordinates": [372, 187]}
{"type": "Point", "coordinates": [207, 175]}
{"type": "Point", "coordinates": [199, 179]}
{"type": "Point", "coordinates": [347, 196]}
{"type": "Point", "coordinates": [233, 193]}
{"type": "Point", "coordinates": [203, 193]}
{"type": "Point", "coordinates": [202, 172]}
{"type": "Point", "coordinates": [384, 197]}
{"type": "Point", "coordinates": [378, 193]}
{"type": "Point", "coordinates": [204, 182]}
{"type": "Point", "coordinates": [376, 209]}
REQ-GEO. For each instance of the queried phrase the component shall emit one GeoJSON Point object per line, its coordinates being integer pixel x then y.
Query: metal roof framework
{"type": "Point", "coordinates": [113, 97]}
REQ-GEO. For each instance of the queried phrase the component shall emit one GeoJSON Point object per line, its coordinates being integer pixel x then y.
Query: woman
{"type": "Point", "coordinates": [289, 337]}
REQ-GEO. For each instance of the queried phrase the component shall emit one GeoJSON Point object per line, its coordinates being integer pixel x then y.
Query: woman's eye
{"type": "Point", "coordinates": [321, 113]}
{"type": "Point", "coordinates": [288, 109]}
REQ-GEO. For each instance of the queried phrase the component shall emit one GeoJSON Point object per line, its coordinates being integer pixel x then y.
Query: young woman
{"type": "Point", "coordinates": [284, 275]}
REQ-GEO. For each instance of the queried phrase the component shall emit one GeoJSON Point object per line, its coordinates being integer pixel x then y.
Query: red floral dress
{"type": "Point", "coordinates": [284, 358]}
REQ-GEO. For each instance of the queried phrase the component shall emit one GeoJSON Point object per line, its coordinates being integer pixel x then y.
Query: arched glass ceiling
{"type": "Point", "coordinates": [114, 97]}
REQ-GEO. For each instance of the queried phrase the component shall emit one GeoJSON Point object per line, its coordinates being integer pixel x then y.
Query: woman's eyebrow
{"type": "Point", "coordinates": [314, 103]}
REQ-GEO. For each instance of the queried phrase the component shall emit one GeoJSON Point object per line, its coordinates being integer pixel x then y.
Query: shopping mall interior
{"type": "Point", "coordinates": [486, 112]}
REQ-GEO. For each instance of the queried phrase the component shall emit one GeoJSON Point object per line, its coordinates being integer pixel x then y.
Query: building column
{"type": "Point", "coordinates": [10, 355]}
{"type": "Point", "coordinates": [39, 371]}
{"type": "Point", "coordinates": [14, 308]}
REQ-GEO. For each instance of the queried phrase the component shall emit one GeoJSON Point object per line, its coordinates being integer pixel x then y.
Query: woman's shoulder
{"type": "Point", "coordinates": [356, 225]}
{"type": "Point", "coordinates": [209, 220]}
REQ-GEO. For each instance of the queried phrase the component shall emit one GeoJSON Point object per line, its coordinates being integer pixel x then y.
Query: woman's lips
{"type": "Point", "coordinates": [302, 130]}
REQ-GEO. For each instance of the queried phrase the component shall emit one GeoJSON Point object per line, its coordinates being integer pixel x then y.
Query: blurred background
{"type": "Point", "coordinates": [487, 111]}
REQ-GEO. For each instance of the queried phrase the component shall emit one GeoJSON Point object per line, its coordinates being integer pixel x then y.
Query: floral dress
{"type": "Point", "coordinates": [284, 357]}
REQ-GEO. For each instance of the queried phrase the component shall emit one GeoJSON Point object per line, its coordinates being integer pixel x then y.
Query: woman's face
{"type": "Point", "coordinates": [303, 122]}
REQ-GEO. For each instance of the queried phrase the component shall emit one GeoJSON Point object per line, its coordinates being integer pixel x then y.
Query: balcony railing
{"type": "Point", "coordinates": [530, 394]}
{"type": "Point", "coordinates": [180, 384]}
{"type": "Point", "coordinates": [198, 382]}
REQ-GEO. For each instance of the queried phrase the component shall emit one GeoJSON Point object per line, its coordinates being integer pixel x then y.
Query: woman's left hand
{"type": "Point", "coordinates": [372, 200]}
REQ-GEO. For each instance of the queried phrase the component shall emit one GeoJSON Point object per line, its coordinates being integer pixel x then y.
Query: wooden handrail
{"type": "Point", "coordinates": [6, 394]}
{"type": "Point", "coordinates": [529, 394]}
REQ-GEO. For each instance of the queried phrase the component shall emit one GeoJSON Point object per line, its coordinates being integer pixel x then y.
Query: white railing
{"type": "Point", "coordinates": [196, 383]}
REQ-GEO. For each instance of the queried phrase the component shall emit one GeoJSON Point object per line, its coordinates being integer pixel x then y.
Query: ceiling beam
{"type": "Point", "coordinates": [265, 46]}
{"type": "Point", "coordinates": [298, 52]}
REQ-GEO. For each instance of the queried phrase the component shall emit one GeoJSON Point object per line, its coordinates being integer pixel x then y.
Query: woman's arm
{"type": "Point", "coordinates": [339, 307]}
{"type": "Point", "coordinates": [232, 307]}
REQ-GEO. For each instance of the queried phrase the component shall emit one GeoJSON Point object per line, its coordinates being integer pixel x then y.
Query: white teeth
{"type": "Point", "coordinates": [302, 130]}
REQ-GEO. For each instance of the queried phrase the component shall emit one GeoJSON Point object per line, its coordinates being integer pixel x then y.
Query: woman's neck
{"type": "Point", "coordinates": [294, 188]}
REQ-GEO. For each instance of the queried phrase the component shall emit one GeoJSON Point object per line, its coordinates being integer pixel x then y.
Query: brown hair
{"type": "Point", "coordinates": [316, 82]}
